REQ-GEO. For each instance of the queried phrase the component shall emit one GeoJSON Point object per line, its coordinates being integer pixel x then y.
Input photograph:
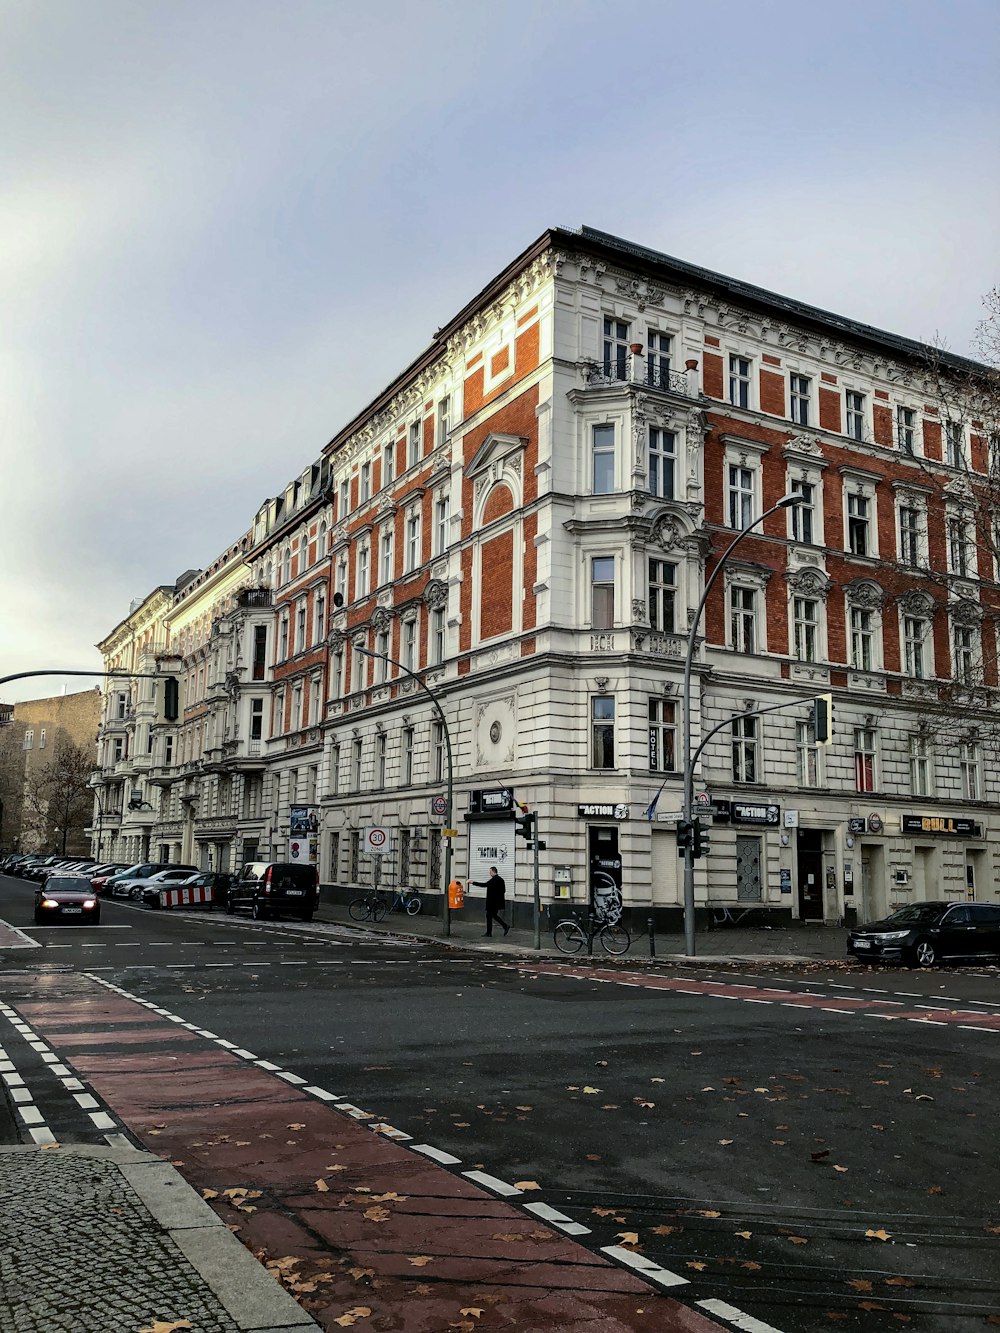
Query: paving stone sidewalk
{"type": "Point", "coordinates": [112, 1240]}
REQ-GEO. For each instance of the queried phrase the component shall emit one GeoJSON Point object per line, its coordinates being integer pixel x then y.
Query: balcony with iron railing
{"type": "Point", "coordinates": [649, 372]}
{"type": "Point", "coordinates": [255, 599]}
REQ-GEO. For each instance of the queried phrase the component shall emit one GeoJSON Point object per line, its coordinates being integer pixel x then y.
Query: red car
{"type": "Point", "coordinates": [67, 898]}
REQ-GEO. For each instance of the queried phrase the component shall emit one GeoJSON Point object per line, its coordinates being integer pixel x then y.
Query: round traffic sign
{"type": "Point", "coordinates": [439, 805]}
{"type": "Point", "coordinates": [376, 840]}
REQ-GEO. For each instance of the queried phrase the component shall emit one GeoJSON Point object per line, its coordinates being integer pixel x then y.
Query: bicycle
{"type": "Point", "coordinates": [373, 905]}
{"type": "Point", "coordinates": [570, 936]}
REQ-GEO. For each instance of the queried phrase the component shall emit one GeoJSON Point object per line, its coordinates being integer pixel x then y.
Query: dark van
{"type": "Point", "coordinates": [267, 888]}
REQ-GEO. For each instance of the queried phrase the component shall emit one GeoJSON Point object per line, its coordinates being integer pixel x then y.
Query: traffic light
{"type": "Point", "coordinates": [171, 698]}
{"type": "Point", "coordinates": [684, 836]}
{"type": "Point", "coordinates": [701, 831]}
{"type": "Point", "coordinates": [823, 718]}
{"type": "Point", "coordinates": [524, 826]}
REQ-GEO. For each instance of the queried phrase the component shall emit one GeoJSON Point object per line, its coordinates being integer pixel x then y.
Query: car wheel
{"type": "Point", "coordinates": [38, 919]}
{"type": "Point", "coordinates": [231, 906]}
{"type": "Point", "coordinates": [307, 916]}
{"type": "Point", "coordinates": [256, 911]}
{"type": "Point", "coordinates": [96, 920]}
{"type": "Point", "coordinates": [924, 953]}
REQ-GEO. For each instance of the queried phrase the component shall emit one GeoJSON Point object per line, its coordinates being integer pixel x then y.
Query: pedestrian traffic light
{"type": "Point", "coordinates": [701, 833]}
{"type": "Point", "coordinates": [171, 698]}
{"type": "Point", "coordinates": [823, 718]}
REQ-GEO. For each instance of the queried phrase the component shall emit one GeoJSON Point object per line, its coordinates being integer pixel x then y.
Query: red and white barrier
{"type": "Point", "coordinates": [194, 895]}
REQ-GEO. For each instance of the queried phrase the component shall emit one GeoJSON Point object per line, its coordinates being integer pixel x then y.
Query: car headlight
{"type": "Point", "coordinates": [49, 902]}
{"type": "Point", "coordinates": [893, 935]}
{"type": "Point", "coordinates": [89, 902]}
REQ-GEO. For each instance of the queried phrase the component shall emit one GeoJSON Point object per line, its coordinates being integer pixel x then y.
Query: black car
{"type": "Point", "coordinates": [267, 888]}
{"type": "Point", "coordinates": [67, 898]}
{"type": "Point", "coordinates": [927, 933]}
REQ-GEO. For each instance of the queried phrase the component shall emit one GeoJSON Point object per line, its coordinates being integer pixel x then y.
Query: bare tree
{"type": "Point", "coordinates": [58, 799]}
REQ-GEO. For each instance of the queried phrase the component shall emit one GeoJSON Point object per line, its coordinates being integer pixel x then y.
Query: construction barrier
{"type": "Point", "coordinates": [195, 895]}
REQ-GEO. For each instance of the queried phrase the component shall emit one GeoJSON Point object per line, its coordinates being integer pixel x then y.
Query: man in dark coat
{"type": "Point", "coordinates": [496, 892]}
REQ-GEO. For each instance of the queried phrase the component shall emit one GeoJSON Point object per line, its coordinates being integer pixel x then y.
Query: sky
{"type": "Point", "coordinates": [226, 224]}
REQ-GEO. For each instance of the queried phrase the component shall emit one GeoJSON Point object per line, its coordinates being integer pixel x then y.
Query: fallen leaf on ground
{"type": "Point", "coordinates": [665, 1231]}
{"type": "Point", "coordinates": [591, 1091]}
{"type": "Point", "coordinates": [898, 1282]}
{"type": "Point", "coordinates": [359, 1273]}
{"type": "Point", "coordinates": [381, 1198]}
{"type": "Point", "coordinates": [881, 1234]}
{"type": "Point", "coordinates": [726, 1142]}
{"type": "Point", "coordinates": [419, 1260]}
{"type": "Point", "coordinates": [210, 1194]}
{"type": "Point", "coordinates": [697, 1264]}
{"type": "Point", "coordinates": [474, 1310]}
{"type": "Point", "coordinates": [628, 1237]}
{"type": "Point", "coordinates": [708, 1212]}
{"type": "Point", "coordinates": [840, 1168]}
{"type": "Point", "coordinates": [527, 1185]}
{"type": "Point", "coordinates": [750, 1266]}
{"type": "Point", "coordinates": [377, 1214]}
{"type": "Point", "coordinates": [350, 1317]}
{"type": "Point", "coordinates": [860, 1284]}
{"type": "Point", "coordinates": [175, 1325]}
{"type": "Point", "coordinates": [321, 1185]}
{"type": "Point", "coordinates": [798, 1240]}
{"type": "Point", "coordinates": [935, 1189]}
{"type": "Point", "coordinates": [295, 1126]}
{"type": "Point", "coordinates": [745, 1234]}
{"type": "Point", "coordinates": [524, 1108]}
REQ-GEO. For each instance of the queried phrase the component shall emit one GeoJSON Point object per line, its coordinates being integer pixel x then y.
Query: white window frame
{"type": "Point", "coordinates": [662, 592]}
{"type": "Point", "coordinates": [800, 398]}
{"type": "Point", "coordinates": [865, 748]}
{"type": "Point", "coordinates": [410, 642]}
{"type": "Point", "coordinates": [437, 633]}
{"type": "Point", "coordinates": [600, 452]}
{"type": "Point", "coordinates": [365, 483]}
{"type": "Point", "coordinates": [911, 541]}
{"type": "Point", "coordinates": [602, 721]}
{"type": "Point", "coordinates": [659, 351]}
{"type": "Point", "coordinates": [955, 445]}
{"type": "Point", "coordinates": [915, 646]}
{"type": "Point", "coordinates": [741, 498]}
{"type": "Point", "coordinates": [964, 653]}
{"type": "Point", "coordinates": [809, 755]}
{"type": "Point", "coordinates": [959, 526]}
{"type": "Point", "coordinates": [443, 419]}
{"type": "Point", "coordinates": [411, 538]}
{"type": "Point", "coordinates": [386, 561]}
{"type": "Point", "coordinates": [806, 643]}
{"type": "Point", "coordinates": [969, 764]}
{"type": "Point", "coordinates": [805, 520]}
{"type": "Point", "coordinates": [661, 720]}
{"type": "Point", "coordinates": [745, 741]}
{"type": "Point", "coordinates": [388, 463]}
{"type": "Point", "coordinates": [906, 430]}
{"type": "Point", "coordinates": [741, 381]}
{"type": "Point", "coordinates": [442, 523]}
{"type": "Point", "coordinates": [615, 353]}
{"type": "Point", "coordinates": [362, 585]}
{"type": "Point", "coordinates": [863, 622]}
{"type": "Point", "coordinates": [856, 415]}
{"type": "Point", "coordinates": [859, 519]}
{"type": "Point", "coordinates": [920, 766]}
{"type": "Point", "coordinates": [381, 744]}
{"type": "Point", "coordinates": [661, 458]}
{"type": "Point", "coordinates": [406, 748]}
{"type": "Point", "coordinates": [414, 443]}
{"type": "Point", "coordinates": [600, 586]}
{"type": "Point", "coordinates": [744, 626]}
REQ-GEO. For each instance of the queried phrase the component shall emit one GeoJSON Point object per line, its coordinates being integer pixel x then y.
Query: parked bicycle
{"type": "Point", "coordinates": [373, 905]}
{"type": "Point", "coordinates": [570, 935]}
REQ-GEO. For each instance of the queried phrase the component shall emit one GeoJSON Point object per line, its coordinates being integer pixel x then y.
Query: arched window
{"type": "Point", "coordinates": [321, 543]}
{"type": "Point", "coordinates": [303, 552]}
{"type": "Point", "coordinates": [286, 565]}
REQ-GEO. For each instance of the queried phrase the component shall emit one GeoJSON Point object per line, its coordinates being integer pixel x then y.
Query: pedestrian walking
{"type": "Point", "coordinates": [496, 892]}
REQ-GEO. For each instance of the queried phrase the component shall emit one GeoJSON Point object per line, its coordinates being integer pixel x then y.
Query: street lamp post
{"type": "Point", "coordinates": [786, 502]}
{"type": "Point", "coordinates": [450, 794]}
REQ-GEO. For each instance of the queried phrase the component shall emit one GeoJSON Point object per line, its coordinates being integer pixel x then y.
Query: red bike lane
{"type": "Point", "coordinates": [360, 1228]}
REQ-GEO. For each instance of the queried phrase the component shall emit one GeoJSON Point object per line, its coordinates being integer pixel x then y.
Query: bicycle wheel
{"type": "Point", "coordinates": [413, 904]}
{"type": "Point", "coordinates": [615, 939]}
{"type": "Point", "coordinates": [378, 909]}
{"type": "Point", "coordinates": [359, 909]}
{"type": "Point", "coordinates": [568, 937]}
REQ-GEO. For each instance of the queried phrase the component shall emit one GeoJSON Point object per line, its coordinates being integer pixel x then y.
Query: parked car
{"type": "Point", "coordinates": [923, 934]}
{"type": "Point", "coordinates": [165, 877]}
{"type": "Point", "coordinates": [104, 874]}
{"type": "Point", "coordinates": [42, 868]}
{"type": "Point", "coordinates": [141, 870]}
{"type": "Point", "coordinates": [218, 882]}
{"type": "Point", "coordinates": [67, 898]}
{"type": "Point", "coordinates": [267, 888]}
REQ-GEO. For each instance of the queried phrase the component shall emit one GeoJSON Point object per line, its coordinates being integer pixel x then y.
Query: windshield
{"type": "Point", "coordinates": [64, 884]}
{"type": "Point", "coordinates": [915, 915]}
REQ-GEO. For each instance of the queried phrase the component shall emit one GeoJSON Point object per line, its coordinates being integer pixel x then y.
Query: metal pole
{"type": "Point", "coordinates": [538, 896]}
{"type": "Point", "coordinates": [450, 797]}
{"type": "Point", "coordinates": [688, 811]}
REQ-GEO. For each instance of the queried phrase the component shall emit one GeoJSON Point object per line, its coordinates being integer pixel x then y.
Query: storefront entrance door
{"type": "Point", "coordinates": [810, 859]}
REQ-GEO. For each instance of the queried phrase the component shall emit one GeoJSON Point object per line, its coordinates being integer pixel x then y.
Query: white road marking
{"type": "Point", "coordinates": [42, 1134]}
{"type": "Point", "coordinates": [354, 1112]}
{"type": "Point", "coordinates": [548, 1214]}
{"type": "Point", "coordinates": [86, 1101]}
{"type": "Point", "coordinates": [746, 1322]}
{"type": "Point", "coordinates": [644, 1267]}
{"type": "Point", "coordinates": [20, 1096]}
{"type": "Point", "coordinates": [31, 1115]}
{"type": "Point", "coordinates": [322, 1094]}
{"type": "Point", "coordinates": [493, 1183]}
{"type": "Point", "coordinates": [292, 1078]}
{"type": "Point", "coordinates": [244, 1055]}
{"type": "Point", "coordinates": [436, 1154]}
{"type": "Point", "coordinates": [102, 1120]}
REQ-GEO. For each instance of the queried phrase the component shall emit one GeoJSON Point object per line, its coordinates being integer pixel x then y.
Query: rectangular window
{"type": "Point", "coordinates": [909, 536]}
{"type": "Point", "coordinates": [412, 540]}
{"type": "Point", "coordinates": [439, 753]}
{"type": "Point", "coordinates": [954, 435]}
{"type": "Point", "coordinates": [363, 571]}
{"type": "Point", "coordinates": [854, 404]}
{"type": "Point", "coordinates": [410, 644]}
{"type": "Point", "coordinates": [958, 547]}
{"type": "Point", "coordinates": [356, 752]}
{"type": "Point", "coordinates": [741, 496]}
{"type": "Point", "coordinates": [663, 596]}
{"type": "Point", "coordinates": [341, 582]}
{"type": "Point", "coordinates": [296, 708]}
{"type": "Point", "coordinates": [964, 653]}
{"type": "Point", "coordinates": [862, 638]}
{"type": "Point", "coordinates": [300, 628]}
{"type": "Point", "coordinates": [437, 635]}
{"type": "Point", "coordinates": [259, 651]}
{"type": "Point", "coordinates": [406, 757]}
{"type": "Point", "coordinates": [858, 524]}
{"type": "Point", "coordinates": [283, 637]}
{"type": "Point", "coordinates": [745, 738]}
{"type": "Point", "coordinates": [662, 735]}
{"type": "Point", "coordinates": [320, 616]}
{"type": "Point", "coordinates": [743, 619]}
{"type": "Point", "coordinates": [41, 740]}
{"type": "Point", "coordinates": [805, 623]}
{"type": "Point", "coordinates": [389, 463]}
{"type": "Point", "coordinates": [334, 770]}
{"type": "Point", "coordinates": [602, 723]}
{"type": "Point", "coordinates": [256, 719]}
{"type": "Point", "coordinates": [739, 381]}
{"type": "Point", "coordinates": [799, 389]}
{"type": "Point", "coordinates": [168, 745]}
{"type": "Point", "coordinates": [415, 445]}
{"type": "Point", "coordinates": [919, 766]}
{"type": "Point", "coordinates": [662, 462]}
{"type": "Point", "coordinates": [603, 460]}
{"type": "Point", "coordinates": [344, 506]}
{"type": "Point", "coordinates": [906, 422]}
{"type": "Point", "coordinates": [443, 419]}
{"type": "Point", "coordinates": [315, 701]}
{"type": "Point", "coordinates": [381, 662]}
{"type": "Point", "coordinates": [442, 515]}
{"type": "Point", "coordinates": [337, 674]}
{"type": "Point", "coordinates": [385, 564]}
{"type": "Point", "coordinates": [914, 639]}
{"type": "Point", "coordinates": [366, 482]}
{"type": "Point", "coordinates": [658, 359]}
{"type": "Point", "coordinates": [864, 759]}
{"type": "Point", "coordinates": [802, 515]}
{"type": "Point", "coordinates": [968, 760]}
{"type": "Point", "coordinates": [615, 348]}
{"type": "Point", "coordinates": [117, 752]}
{"type": "Point", "coordinates": [602, 592]}
{"type": "Point", "coordinates": [29, 739]}
{"type": "Point", "coordinates": [380, 744]}
{"type": "Point", "coordinates": [808, 754]}
{"type": "Point", "coordinates": [279, 713]}
{"type": "Point", "coordinates": [359, 669]}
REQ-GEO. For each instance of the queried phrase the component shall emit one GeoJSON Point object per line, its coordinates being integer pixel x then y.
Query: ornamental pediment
{"type": "Point", "coordinates": [494, 451]}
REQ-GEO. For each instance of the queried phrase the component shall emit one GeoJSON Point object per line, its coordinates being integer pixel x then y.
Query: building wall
{"type": "Point", "coordinates": [28, 746]}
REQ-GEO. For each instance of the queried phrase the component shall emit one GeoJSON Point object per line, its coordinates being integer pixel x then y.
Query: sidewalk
{"type": "Point", "coordinates": [114, 1239]}
{"type": "Point", "coordinates": [789, 944]}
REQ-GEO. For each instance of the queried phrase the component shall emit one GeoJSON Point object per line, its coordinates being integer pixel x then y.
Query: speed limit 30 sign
{"type": "Point", "coordinates": [376, 840]}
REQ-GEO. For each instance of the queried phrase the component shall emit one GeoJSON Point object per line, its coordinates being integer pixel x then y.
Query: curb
{"type": "Point", "coordinates": [253, 1299]}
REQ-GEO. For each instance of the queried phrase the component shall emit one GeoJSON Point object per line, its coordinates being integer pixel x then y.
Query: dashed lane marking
{"type": "Point", "coordinates": [493, 1183]}
{"type": "Point", "coordinates": [644, 1267]}
{"type": "Point", "coordinates": [437, 1154]}
{"type": "Point", "coordinates": [745, 1322]}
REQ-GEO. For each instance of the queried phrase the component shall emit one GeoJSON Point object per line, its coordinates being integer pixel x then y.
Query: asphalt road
{"type": "Point", "coordinates": [813, 1147]}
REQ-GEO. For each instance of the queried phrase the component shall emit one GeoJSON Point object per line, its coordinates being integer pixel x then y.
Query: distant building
{"type": "Point", "coordinates": [32, 735]}
{"type": "Point", "coordinates": [525, 518]}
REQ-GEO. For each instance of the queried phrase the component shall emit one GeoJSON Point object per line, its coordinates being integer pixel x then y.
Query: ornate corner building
{"type": "Point", "coordinates": [524, 518]}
